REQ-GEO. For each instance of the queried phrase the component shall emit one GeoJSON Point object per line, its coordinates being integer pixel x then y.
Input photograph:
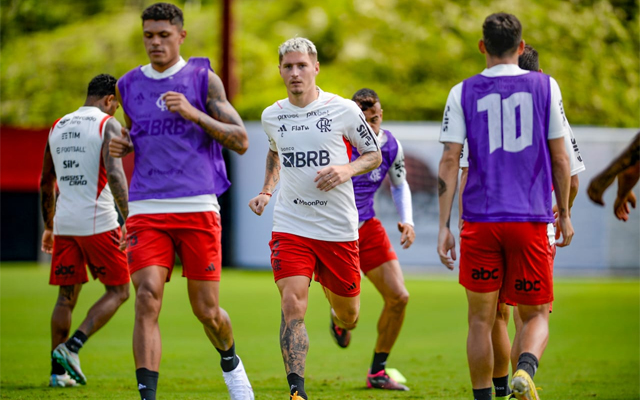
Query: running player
{"type": "Point", "coordinates": [502, 349]}
{"type": "Point", "coordinates": [515, 129]}
{"type": "Point", "coordinates": [81, 225]}
{"type": "Point", "coordinates": [315, 223]}
{"type": "Point", "coordinates": [378, 260]}
{"type": "Point", "coordinates": [179, 120]}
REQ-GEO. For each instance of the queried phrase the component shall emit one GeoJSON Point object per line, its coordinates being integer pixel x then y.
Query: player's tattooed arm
{"type": "Point", "coordinates": [115, 172]}
{"type": "Point", "coordinates": [48, 189]}
{"type": "Point", "coordinates": [366, 162]}
{"type": "Point", "coordinates": [272, 172]}
{"type": "Point", "coordinates": [294, 344]}
{"type": "Point", "coordinates": [223, 123]}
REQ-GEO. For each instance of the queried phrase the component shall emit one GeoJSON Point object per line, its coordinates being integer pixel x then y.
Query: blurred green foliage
{"type": "Point", "coordinates": [410, 51]}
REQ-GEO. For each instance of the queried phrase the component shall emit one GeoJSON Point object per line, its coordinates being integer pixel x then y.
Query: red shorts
{"type": "Point", "coordinates": [514, 256]}
{"type": "Point", "coordinates": [502, 298]}
{"type": "Point", "coordinates": [154, 239]}
{"type": "Point", "coordinates": [100, 252]}
{"type": "Point", "coordinates": [335, 264]}
{"type": "Point", "coordinates": [375, 247]}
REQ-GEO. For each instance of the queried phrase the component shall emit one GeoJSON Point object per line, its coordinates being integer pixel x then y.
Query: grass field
{"type": "Point", "coordinates": [594, 350]}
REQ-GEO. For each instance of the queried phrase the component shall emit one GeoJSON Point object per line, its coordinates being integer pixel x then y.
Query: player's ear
{"type": "Point", "coordinates": [540, 70]}
{"type": "Point", "coordinates": [183, 34]}
{"type": "Point", "coordinates": [481, 47]}
{"type": "Point", "coordinates": [521, 47]}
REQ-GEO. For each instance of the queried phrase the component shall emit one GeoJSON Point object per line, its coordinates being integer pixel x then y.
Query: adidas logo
{"type": "Point", "coordinates": [211, 267]}
{"type": "Point", "coordinates": [352, 287]}
{"type": "Point", "coordinates": [141, 386]}
{"type": "Point", "coordinates": [282, 129]}
{"type": "Point", "coordinates": [139, 98]}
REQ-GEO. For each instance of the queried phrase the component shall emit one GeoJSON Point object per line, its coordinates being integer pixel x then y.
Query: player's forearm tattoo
{"type": "Point", "coordinates": [272, 172]}
{"type": "Point", "coordinates": [222, 122]}
{"type": "Point", "coordinates": [367, 162]}
{"type": "Point", "coordinates": [442, 187]}
{"type": "Point", "coordinates": [115, 172]}
{"type": "Point", "coordinates": [48, 189]}
{"type": "Point", "coordinates": [294, 344]}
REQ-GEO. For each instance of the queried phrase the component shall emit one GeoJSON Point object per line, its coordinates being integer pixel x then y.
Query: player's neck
{"type": "Point", "coordinates": [493, 61]}
{"type": "Point", "coordinates": [304, 99]}
{"type": "Point", "coordinates": [164, 67]}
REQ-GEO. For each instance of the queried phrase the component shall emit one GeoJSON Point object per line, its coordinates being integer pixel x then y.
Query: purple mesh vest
{"type": "Point", "coordinates": [174, 157]}
{"type": "Point", "coordinates": [507, 119]}
{"type": "Point", "coordinates": [366, 185]}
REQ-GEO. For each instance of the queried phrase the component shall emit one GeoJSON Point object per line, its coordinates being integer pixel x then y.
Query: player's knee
{"type": "Point", "coordinates": [399, 300]}
{"type": "Point", "coordinates": [503, 313]}
{"type": "Point", "coordinates": [293, 310]}
{"type": "Point", "coordinates": [211, 316]}
{"type": "Point", "coordinates": [148, 303]}
{"type": "Point", "coordinates": [120, 292]}
{"type": "Point", "coordinates": [348, 316]}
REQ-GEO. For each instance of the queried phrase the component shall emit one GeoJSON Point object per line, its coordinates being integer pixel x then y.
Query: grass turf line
{"type": "Point", "coordinates": [594, 349]}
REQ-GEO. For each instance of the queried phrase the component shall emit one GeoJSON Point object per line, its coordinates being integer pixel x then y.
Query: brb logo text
{"type": "Point", "coordinates": [301, 159]}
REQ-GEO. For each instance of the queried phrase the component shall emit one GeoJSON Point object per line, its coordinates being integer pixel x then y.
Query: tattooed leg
{"type": "Point", "coordinates": [294, 344]}
{"type": "Point", "coordinates": [61, 317]}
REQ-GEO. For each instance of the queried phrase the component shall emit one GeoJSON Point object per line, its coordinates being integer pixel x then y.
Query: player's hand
{"type": "Point", "coordinates": [446, 243]}
{"type": "Point", "coordinates": [176, 102]}
{"type": "Point", "coordinates": [566, 230]}
{"type": "Point", "coordinates": [123, 237]}
{"type": "Point", "coordinates": [408, 234]}
{"type": "Point", "coordinates": [258, 203]}
{"type": "Point", "coordinates": [332, 176]}
{"type": "Point", "coordinates": [47, 241]}
{"type": "Point", "coordinates": [121, 146]}
{"type": "Point", "coordinates": [621, 206]}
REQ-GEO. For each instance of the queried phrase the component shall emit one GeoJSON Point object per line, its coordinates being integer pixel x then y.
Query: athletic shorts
{"type": "Point", "coordinates": [502, 298]}
{"type": "Point", "coordinates": [101, 252]}
{"type": "Point", "coordinates": [154, 239]}
{"type": "Point", "coordinates": [375, 247]}
{"type": "Point", "coordinates": [514, 256]}
{"type": "Point", "coordinates": [335, 264]}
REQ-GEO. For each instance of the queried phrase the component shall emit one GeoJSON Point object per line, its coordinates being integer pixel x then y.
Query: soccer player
{"type": "Point", "coordinates": [515, 129]}
{"type": "Point", "coordinates": [502, 350]}
{"type": "Point", "coordinates": [179, 120]}
{"type": "Point", "coordinates": [315, 223]}
{"type": "Point", "coordinates": [378, 260]}
{"type": "Point", "coordinates": [81, 224]}
{"type": "Point", "coordinates": [626, 167]}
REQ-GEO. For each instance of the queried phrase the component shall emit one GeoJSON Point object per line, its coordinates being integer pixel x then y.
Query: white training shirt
{"type": "Point", "coordinates": [307, 140]}
{"type": "Point", "coordinates": [200, 203]}
{"type": "Point", "coordinates": [85, 204]}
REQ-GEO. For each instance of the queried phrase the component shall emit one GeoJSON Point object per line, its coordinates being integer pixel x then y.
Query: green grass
{"type": "Point", "coordinates": [593, 352]}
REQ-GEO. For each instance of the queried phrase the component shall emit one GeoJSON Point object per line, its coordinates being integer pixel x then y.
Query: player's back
{"type": "Point", "coordinates": [507, 119]}
{"type": "Point", "coordinates": [85, 204]}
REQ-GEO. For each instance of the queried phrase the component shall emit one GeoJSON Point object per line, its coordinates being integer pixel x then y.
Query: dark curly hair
{"type": "Point", "coordinates": [365, 98]}
{"type": "Point", "coordinates": [529, 59]}
{"type": "Point", "coordinates": [102, 85]}
{"type": "Point", "coordinates": [162, 12]}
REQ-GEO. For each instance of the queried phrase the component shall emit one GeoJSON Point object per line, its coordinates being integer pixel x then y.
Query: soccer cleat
{"type": "Point", "coordinates": [296, 397]}
{"type": "Point", "coordinates": [238, 383]}
{"type": "Point", "coordinates": [381, 380]}
{"type": "Point", "coordinates": [70, 361]}
{"type": "Point", "coordinates": [341, 336]}
{"type": "Point", "coordinates": [62, 381]}
{"type": "Point", "coordinates": [523, 386]}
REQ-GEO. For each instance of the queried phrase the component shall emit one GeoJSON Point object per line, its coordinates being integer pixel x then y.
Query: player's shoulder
{"type": "Point", "coordinates": [276, 109]}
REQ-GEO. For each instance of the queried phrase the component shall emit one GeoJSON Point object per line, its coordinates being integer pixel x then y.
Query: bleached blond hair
{"type": "Point", "coordinates": [297, 45]}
